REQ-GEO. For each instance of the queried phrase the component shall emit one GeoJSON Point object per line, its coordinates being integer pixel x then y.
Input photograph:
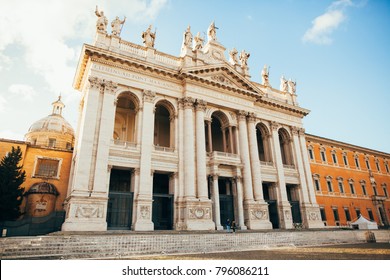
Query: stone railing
{"type": "Point", "coordinates": [223, 154]}
{"type": "Point", "coordinates": [163, 149]}
{"type": "Point", "coordinates": [133, 48]}
{"type": "Point", "coordinates": [267, 163]}
{"type": "Point", "coordinates": [289, 166]}
{"type": "Point", "coordinates": [122, 143]}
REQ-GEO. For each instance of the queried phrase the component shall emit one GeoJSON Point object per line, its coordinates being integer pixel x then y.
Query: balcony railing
{"type": "Point", "coordinates": [125, 144]}
{"type": "Point", "coordinates": [164, 149]}
{"type": "Point", "coordinates": [267, 163]}
{"type": "Point", "coordinates": [223, 154]}
{"type": "Point", "coordinates": [289, 166]}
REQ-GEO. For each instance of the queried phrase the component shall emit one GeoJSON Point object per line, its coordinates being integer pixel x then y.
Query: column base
{"type": "Point", "coordinates": [312, 216]}
{"type": "Point", "coordinates": [256, 215]}
{"type": "Point", "coordinates": [143, 215]}
{"type": "Point", "coordinates": [285, 216]}
{"type": "Point", "coordinates": [85, 214]}
{"type": "Point", "coordinates": [197, 215]}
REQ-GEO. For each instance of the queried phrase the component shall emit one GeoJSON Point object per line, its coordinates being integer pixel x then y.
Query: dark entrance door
{"type": "Point", "coordinates": [273, 213]}
{"type": "Point", "coordinates": [162, 215]}
{"type": "Point", "coordinates": [120, 200]}
{"type": "Point", "coordinates": [226, 208]}
{"type": "Point", "coordinates": [120, 205]}
{"type": "Point", "coordinates": [296, 212]}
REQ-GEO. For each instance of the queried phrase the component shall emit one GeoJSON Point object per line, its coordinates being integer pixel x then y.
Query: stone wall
{"type": "Point", "coordinates": [113, 245]}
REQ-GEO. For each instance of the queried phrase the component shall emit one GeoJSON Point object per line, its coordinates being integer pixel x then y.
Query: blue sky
{"type": "Point", "coordinates": [338, 52]}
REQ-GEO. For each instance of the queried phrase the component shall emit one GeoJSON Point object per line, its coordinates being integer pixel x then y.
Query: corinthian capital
{"type": "Point", "coordinates": [274, 125]}
{"type": "Point", "coordinates": [242, 115]}
{"type": "Point", "coordinates": [110, 87]}
{"type": "Point", "coordinates": [149, 95]}
{"type": "Point", "coordinates": [95, 82]}
{"type": "Point", "coordinates": [251, 117]}
{"type": "Point", "coordinates": [188, 102]}
{"type": "Point", "coordinates": [295, 130]}
{"type": "Point", "coordinates": [201, 105]}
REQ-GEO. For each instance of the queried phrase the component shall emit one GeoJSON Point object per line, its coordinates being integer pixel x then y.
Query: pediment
{"type": "Point", "coordinates": [224, 75]}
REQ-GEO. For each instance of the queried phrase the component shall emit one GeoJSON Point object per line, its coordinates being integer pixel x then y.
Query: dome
{"type": "Point", "coordinates": [43, 188]}
{"type": "Point", "coordinates": [52, 123]}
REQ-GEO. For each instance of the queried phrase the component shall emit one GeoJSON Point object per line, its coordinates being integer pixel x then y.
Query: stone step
{"type": "Point", "coordinates": [103, 246]}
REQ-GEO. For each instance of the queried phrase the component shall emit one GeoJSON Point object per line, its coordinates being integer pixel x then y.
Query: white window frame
{"type": "Point", "coordinates": [37, 158]}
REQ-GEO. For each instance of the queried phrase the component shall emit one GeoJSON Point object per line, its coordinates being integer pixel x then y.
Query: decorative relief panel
{"type": "Point", "coordinates": [259, 214]}
{"type": "Point", "coordinates": [313, 216]}
{"type": "Point", "coordinates": [89, 211]}
{"type": "Point", "coordinates": [199, 213]}
{"type": "Point", "coordinates": [144, 212]}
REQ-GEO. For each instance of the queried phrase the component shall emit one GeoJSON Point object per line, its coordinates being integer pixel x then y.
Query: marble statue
{"type": "Point", "coordinates": [198, 42]}
{"type": "Point", "coordinates": [187, 38]}
{"type": "Point", "coordinates": [116, 26]}
{"type": "Point", "coordinates": [211, 32]}
{"type": "Point", "coordinates": [244, 58]}
{"type": "Point", "coordinates": [265, 75]}
{"type": "Point", "coordinates": [233, 57]}
{"type": "Point", "coordinates": [293, 86]}
{"type": "Point", "coordinates": [148, 37]}
{"type": "Point", "coordinates": [101, 23]}
{"type": "Point", "coordinates": [283, 84]}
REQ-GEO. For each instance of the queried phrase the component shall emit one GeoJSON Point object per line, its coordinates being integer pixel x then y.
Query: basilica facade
{"type": "Point", "coordinates": [186, 142]}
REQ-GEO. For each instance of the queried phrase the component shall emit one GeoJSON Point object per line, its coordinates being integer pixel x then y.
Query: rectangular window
{"type": "Point", "coordinates": [357, 212]}
{"type": "Point", "coordinates": [323, 156]}
{"type": "Point", "coordinates": [334, 158]}
{"type": "Point", "coordinates": [317, 184]}
{"type": "Point", "coordinates": [378, 166]}
{"type": "Point", "coordinates": [352, 188]}
{"type": "Point", "coordinates": [329, 183]}
{"type": "Point", "coordinates": [370, 215]}
{"type": "Point", "coordinates": [364, 190]}
{"type": "Point", "coordinates": [323, 215]}
{"type": "Point", "coordinates": [368, 164]}
{"type": "Point", "coordinates": [375, 192]}
{"type": "Point", "coordinates": [47, 168]}
{"type": "Point", "coordinates": [336, 214]}
{"type": "Point", "coordinates": [345, 159]}
{"type": "Point", "coordinates": [385, 191]}
{"type": "Point", "coordinates": [357, 162]}
{"type": "Point", "coordinates": [341, 187]}
{"type": "Point", "coordinates": [347, 215]}
{"type": "Point", "coordinates": [52, 142]}
{"type": "Point", "coordinates": [311, 155]}
{"type": "Point", "coordinates": [387, 168]}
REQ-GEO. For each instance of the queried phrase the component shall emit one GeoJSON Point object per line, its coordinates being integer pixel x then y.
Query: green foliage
{"type": "Point", "coordinates": [11, 177]}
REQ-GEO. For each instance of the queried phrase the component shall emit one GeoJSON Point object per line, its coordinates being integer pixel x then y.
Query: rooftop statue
{"type": "Point", "coordinates": [198, 42]}
{"type": "Point", "coordinates": [187, 38]}
{"type": "Point", "coordinates": [293, 86]}
{"type": "Point", "coordinates": [283, 84]}
{"type": "Point", "coordinates": [148, 37]}
{"type": "Point", "coordinates": [116, 26]}
{"type": "Point", "coordinates": [265, 75]}
{"type": "Point", "coordinates": [244, 58]}
{"type": "Point", "coordinates": [233, 57]}
{"type": "Point", "coordinates": [211, 32]}
{"type": "Point", "coordinates": [101, 23]}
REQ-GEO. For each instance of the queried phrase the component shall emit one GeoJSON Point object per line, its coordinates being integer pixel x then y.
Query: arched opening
{"type": "Point", "coordinates": [263, 147]}
{"type": "Point", "coordinates": [222, 135]}
{"type": "Point", "coordinates": [125, 118]}
{"type": "Point", "coordinates": [285, 147]}
{"type": "Point", "coordinates": [163, 126]}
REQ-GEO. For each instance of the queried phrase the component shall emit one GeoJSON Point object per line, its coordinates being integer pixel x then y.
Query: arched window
{"type": "Point", "coordinates": [163, 126]}
{"type": "Point", "coordinates": [125, 118]}
{"type": "Point", "coordinates": [285, 147]}
{"type": "Point", "coordinates": [263, 147]}
{"type": "Point", "coordinates": [221, 134]}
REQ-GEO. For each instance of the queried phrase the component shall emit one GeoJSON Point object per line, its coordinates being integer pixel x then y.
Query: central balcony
{"type": "Point", "coordinates": [224, 158]}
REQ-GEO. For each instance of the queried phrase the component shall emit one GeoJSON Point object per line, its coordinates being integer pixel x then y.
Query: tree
{"type": "Point", "coordinates": [11, 177]}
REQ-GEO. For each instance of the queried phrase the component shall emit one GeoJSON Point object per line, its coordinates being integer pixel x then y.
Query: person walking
{"type": "Point", "coordinates": [228, 225]}
{"type": "Point", "coordinates": [234, 226]}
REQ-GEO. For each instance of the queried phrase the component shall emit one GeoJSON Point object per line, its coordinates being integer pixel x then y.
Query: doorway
{"type": "Point", "coordinates": [162, 214]}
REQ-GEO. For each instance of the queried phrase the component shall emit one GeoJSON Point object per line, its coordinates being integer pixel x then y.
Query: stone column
{"type": "Point", "coordinates": [224, 139]}
{"type": "Point", "coordinates": [143, 200]}
{"type": "Point", "coordinates": [215, 199]}
{"type": "Point", "coordinates": [86, 204]}
{"type": "Point", "coordinates": [311, 208]}
{"type": "Point", "coordinates": [179, 199]}
{"type": "Point", "coordinates": [259, 216]}
{"type": "Point", "coordinates": [201, 151]}
{"type": "Point", "coordinates": [284, 206]}
{"type": "Point", "coordinates": [231, 140]}
{"type": "Point", "coordinates": [240, 201]}
{"type": "Point", "coordinates": [210, 148]}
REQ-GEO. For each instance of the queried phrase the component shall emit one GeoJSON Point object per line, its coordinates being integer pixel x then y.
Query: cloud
{"type": "Point", "coordinates": [324, 25]}
{"type": "Point", "coordinates": [3, 103]}
{"type": "Point", "coordinates": [26, 92]}
{"type": "Point", "coordinates": [48, 33]}
{"type": "Point", "coordinates": [9, 134]}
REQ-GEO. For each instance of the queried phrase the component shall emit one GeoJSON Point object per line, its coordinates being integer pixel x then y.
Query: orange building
{"type": "Point", "coordinates": [46, 159]}
{"type": "Point", "coordinates": [349, 181]}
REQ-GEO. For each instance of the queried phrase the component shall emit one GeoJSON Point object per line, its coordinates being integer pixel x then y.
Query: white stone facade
{"type": "Point", "coordinates": [193, 132]}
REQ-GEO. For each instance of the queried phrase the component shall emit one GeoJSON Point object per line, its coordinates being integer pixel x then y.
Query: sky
{"type": "Point", "coordinates": [337, 51]}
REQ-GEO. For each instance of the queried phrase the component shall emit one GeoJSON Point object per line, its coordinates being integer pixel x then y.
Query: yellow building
{"type": "Point", "coordinates": [46, 158]}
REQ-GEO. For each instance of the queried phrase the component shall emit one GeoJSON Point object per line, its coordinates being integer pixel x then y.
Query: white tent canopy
{"type": "Point", "coordinates": [363, 223]}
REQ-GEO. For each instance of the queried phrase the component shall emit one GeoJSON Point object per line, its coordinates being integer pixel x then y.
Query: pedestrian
{"type": "Point", "coordinates": [234, 226]}
{"type": "Point", "coordinates": [228, 225]}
